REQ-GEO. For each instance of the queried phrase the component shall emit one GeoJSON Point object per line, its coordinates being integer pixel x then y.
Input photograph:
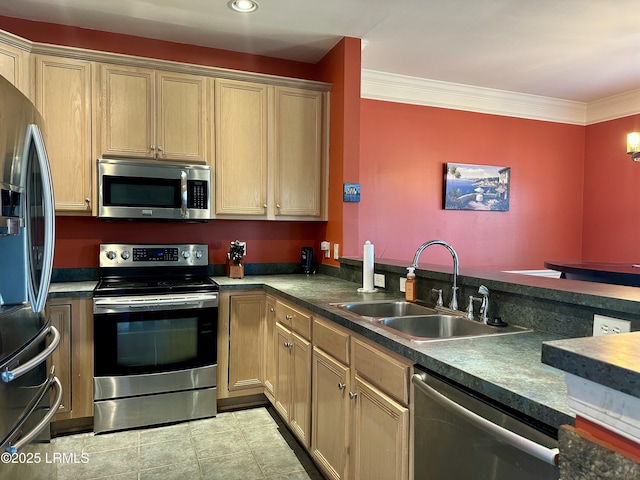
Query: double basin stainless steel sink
{"type": "Point", "coordinates": [423, 324]}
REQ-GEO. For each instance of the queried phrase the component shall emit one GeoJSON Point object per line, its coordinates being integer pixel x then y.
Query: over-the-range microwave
{"type": "Point", "coordinates": [151, 190]}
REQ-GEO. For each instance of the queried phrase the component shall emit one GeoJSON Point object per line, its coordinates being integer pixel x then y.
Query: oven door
{"type": "Point", "coordinates": [139, 335]}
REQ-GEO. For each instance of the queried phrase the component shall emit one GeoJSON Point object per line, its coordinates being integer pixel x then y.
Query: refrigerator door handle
{"type": "Point", "coordinates": [38, 293]}
{"type": "Point", "coordinates": [9, 375]}
{"type": "Point", "coordinates": [55, 384]}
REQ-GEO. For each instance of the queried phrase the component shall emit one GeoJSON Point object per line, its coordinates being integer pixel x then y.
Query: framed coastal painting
{"type": "Point", "coordinates": [476, 187]}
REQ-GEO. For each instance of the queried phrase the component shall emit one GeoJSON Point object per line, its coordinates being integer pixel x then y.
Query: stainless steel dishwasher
{"type": "Point", "coordinates": [461, 436]}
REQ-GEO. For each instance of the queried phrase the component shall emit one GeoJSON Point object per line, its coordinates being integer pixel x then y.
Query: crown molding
{"type": "Point", "coordinates": [616, 106]}
{"type": "Point", "coordinates": [434, 93]}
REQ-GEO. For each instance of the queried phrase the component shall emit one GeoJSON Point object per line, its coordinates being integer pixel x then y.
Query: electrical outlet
{"type": "Point", "coordinates": [336, 251]}
{"type": "Point", "coordinates": [608, 326]}
{"type": "Point", "coordinates": [378, 280]}
{"type": "Point", "coordinates": [403, 281]}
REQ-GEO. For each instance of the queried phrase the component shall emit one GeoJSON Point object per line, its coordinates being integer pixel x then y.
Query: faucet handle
{"type": "Point", "coordinates": [439, 303]}
{"type": "Point", "coordinates": [470, 306]}
{"type": "Point", "coordinates": [484, 307]}
{"type": "Point", "coordinates": [454, 298]}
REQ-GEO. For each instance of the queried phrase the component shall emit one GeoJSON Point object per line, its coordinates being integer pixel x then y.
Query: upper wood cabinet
{"type": "Point", "coordinates": [63, 97]}
{"type": "Point", "coordinates": [152, 114]}
{"type": "Point", "coordinates": [299, 158]}
{"type": "Point", "coordinates": [241, 120]}
{"type": "Point", "coordinates": [271, 151]}
{"type": "Point", "coordinates": [14, 63]}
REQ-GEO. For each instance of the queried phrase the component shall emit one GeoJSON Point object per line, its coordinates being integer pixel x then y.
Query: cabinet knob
{"type": "Point", "coordinates": [264, 205]}
{"type": "Point", "coordinates": [352, 395]}
{"type": "Point", "coordinates": [152, 147]}
{"type": "Point", "coordinates": [288, 344]}
{"type": "Point", "coordinates": [277, 205]}
{"type": "Point", "coordinates": [342, 386]}
{"type": "Point", "coordinates": [272, 309]}
{"type": "Point", "coordinates": [159, 148]}
{"type": "Point", "coordinates": [87, 201]}
{"type": "Point", "coordinates": [288, 317]}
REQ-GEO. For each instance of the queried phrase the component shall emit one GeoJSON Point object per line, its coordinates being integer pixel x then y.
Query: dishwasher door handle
{"type": "Point", "coordinates": [548, 455]}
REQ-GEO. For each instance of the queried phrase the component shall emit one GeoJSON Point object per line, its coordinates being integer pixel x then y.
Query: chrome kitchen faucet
{"type": "Point", "coordinates": [454, 291]}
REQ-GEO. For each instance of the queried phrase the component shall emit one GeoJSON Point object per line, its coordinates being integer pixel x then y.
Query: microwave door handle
{"type": "Point", "coordinates": [183, 193]}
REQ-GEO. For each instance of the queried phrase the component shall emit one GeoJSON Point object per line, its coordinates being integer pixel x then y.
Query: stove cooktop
{"type": "Point", "coordinates": [150, 285]}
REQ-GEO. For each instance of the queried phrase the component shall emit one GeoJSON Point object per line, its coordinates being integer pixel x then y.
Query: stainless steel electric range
{"type": "Point", "coordinates": [155, 336]}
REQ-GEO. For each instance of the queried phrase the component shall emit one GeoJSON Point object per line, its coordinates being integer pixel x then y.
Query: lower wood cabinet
{"type": "Point", "coordinates": [331, 414]}
{"type": "Point", "coordinates": [380, 434]}
{"type": "Point", "coordinates": [269, 351]}
{"type": "Point", "coordinates": [292, 388]}
{"type": "Point", "coordinates": [345, 398]}
{"type": "Point", "coordinates": [360, 411]}
{"type": "Point", "coordinates": [73, 359]}
{"type": "Point", "coordinates": [246, 344]}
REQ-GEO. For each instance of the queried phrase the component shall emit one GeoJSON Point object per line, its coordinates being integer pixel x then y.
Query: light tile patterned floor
{"type": "Point", "coordinates": [243, 445]}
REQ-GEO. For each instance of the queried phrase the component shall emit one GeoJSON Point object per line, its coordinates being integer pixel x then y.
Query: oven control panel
{"type": "Point", "coordinates": [127, 255]}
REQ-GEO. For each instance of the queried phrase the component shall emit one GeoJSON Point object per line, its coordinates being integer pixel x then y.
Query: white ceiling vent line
{"type": "Point", "coordinates": [404, 89]}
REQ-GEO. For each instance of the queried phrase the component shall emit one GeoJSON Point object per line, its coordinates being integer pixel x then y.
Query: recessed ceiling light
{"type": "Point", "coordinates": [243, 6]}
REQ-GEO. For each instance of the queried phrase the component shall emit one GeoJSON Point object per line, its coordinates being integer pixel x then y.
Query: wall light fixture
{"type": "Point", "coordinates": [633, 145]}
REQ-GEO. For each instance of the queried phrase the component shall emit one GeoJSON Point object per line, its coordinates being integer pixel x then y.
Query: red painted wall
{"type": "Point", "coordinates": [341, 67]}
{"type": "Point", "coordinates": [403, 149]}
{"type": "Point", "coordinates": [78, 238]}
{"type": "Point", "coordinates": [611, 193]}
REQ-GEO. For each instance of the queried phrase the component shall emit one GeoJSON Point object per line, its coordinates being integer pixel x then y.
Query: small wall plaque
{"type": "Point", "coordinates": [351, 192]}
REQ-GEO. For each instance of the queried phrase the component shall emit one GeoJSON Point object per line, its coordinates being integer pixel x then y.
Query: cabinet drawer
{"type": "Point", "coordinates": [332, 340]}
{"type": "Point", "coordinates": [383, 371]}
{"type": "Point", "coordinates": [297, 320]}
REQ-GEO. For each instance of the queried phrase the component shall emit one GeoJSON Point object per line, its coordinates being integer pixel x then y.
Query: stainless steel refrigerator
{"type": "Point", "coordinates": [30, 393]}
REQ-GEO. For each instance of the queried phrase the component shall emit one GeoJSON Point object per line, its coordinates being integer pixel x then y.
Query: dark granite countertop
{"type": "Point", "coordinates": [609, 360]}
{"type": "Point", "coordinates": [72, 289]}
{"type": "Point", "coordinates": [507, 369]}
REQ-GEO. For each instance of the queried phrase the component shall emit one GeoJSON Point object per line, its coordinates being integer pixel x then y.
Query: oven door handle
{"type": "Point", "coordinates": [9, 375]}
{"type": "Point", "coordinates": [126, 304]}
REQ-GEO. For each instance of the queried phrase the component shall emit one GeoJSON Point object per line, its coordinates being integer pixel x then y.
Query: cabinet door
{"type": "Point", "coordinates": [73, 359]}
{"type": "Point", "coordinates": [330, 414]}
{"type": "Point", "coordinates": [63, 97]}
{"type": "Point", "coordinates": [246, 333]}
{"type": "Point", "coordinates": [300, 414]}
{"type": "Point", "coordinates": [60, 317]}
{"type": "Point", "coordinates": [380, 434]}
{"type": "Point", "coordinates": [128, 117]}
{"type": "Point", "coordinates": [13, 67]}
{"type": "Point", "coordinates": [282, 385]}
{"type": "Point", "coordinates": [241, 148]}
{"type": "Point", "coordinates": [181, 117]}
{"type": "Point", "coordinates": [299, 178]}
{"type": "Point", "coordinates": [270, 359]}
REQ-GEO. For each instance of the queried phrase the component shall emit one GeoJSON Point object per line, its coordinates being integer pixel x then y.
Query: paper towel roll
{"type": "Point", "coordinates": [367, 267]}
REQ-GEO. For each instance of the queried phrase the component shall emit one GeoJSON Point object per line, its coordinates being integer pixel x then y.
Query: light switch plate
{"type": "Point", "coordinates": [336, 251]}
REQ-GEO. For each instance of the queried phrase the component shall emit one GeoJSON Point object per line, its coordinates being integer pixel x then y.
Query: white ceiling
{"type": "Point", "coordinates": [580, 50]}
